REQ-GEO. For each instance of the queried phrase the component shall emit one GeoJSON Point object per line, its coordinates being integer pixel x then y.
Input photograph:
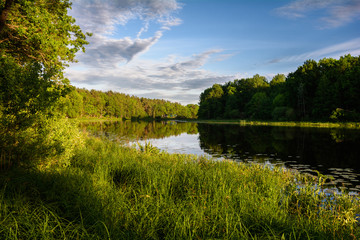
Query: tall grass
{"type": "Point", "coordinates": [115, 192]}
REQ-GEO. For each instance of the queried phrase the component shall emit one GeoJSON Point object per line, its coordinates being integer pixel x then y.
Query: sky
{"type": "Point", "coordinates": [175, 49]}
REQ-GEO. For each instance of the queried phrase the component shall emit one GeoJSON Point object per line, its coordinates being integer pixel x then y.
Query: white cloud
{"type": "Point", "coordinates": [101, 16]}
{"type": "Point", "coordinates": [108, 53]}
{"type": "Point", "coordinates": [337, 12]}
{"type": "Point", "coordinates": [168, 79]}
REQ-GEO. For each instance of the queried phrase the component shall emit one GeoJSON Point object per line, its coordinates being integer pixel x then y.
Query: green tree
{"type": "Point", "coordinates": [259, 106]}
{"type": "Point", "coordinates": [211, 102]}
{"type": "Point", "coordinates": [39, 37]}
{"type": "Point", "coordinates": [279, 79]}
{"type": "Point", "coordinates": [37, 41]}
{"type": "Point", "coordinates": [40, 31]}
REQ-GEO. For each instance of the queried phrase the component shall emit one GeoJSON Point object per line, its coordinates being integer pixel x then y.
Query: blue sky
{"type": "Point", "coordinates": [175, 49]}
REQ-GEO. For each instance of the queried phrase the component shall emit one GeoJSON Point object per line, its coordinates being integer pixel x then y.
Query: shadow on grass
{"type": "Point", "coordinates": [47, 205]}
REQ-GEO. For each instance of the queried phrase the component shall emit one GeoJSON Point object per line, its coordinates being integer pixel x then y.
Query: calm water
{"type": "Point", "coordinates": [333, 152]}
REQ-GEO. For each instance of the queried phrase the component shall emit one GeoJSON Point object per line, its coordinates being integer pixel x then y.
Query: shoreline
{"type": "Point", "coordinates": [345, 125]}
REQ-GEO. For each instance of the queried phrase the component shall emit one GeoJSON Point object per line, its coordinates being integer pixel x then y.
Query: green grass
{"type": "Point", "coordinates": [350, 125]}
{"type": "Point", "coordinates": [115, 192]}
{"type": "Point", "coordinates": [96, 119]}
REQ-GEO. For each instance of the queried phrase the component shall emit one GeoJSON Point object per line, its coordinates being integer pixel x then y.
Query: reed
{"type": "Point", "coordinates": [116, 192]}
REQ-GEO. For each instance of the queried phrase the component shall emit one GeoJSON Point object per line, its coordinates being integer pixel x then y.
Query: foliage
{"type": "Point", "coordinates": [58, 138]}
{"type": "Point", "coordinates": [312, 92]}
{"type": "Point", "coordinates": [259, 106]}
{"type": "Point", "coordinates": [342, 115]}
{"type": "Point", "coordinates": [85, 103]}
{"type": "Point", "coordinates": [49, 141]}
{"type": "Point", "coordinates": [40, 31]}
{"type": "Point", "coordinates": [37, 41]}
{"type": "Point", "coordinates": [25, 92]}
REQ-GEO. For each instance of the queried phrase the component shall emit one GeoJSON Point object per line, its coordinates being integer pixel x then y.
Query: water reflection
{"type": "Point", "coordinates": [334, 152]}
{"type": "Point", "coordinates": [128, 131]}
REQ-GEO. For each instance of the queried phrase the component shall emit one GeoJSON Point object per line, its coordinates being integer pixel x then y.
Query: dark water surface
{"type": "Point", "coordinates": [333, 152]}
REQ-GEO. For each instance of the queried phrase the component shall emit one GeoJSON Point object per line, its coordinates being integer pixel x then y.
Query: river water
{"type": "Point", "coordinates": [332, 152]}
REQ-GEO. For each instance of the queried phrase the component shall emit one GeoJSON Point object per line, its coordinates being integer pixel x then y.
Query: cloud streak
{"type": "Point", "coordinates": [334, 51]}
{"type": "Point", "coordinates": [342, 14]}
{"type": "Point", "coordinates": [108, 53]}
{"type": "Point", "coordinates": [337, 12]}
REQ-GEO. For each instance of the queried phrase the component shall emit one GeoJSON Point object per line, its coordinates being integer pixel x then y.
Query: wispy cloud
{"type": "Point", "coordinates": [337, 12]}
{"type": "Point", "coordinates": [102, 16]}
{"type": "Point", "coordinates": [342, 14]}
{"type": "Point", "coordinates": [196, 61]}
{"type": "Point", "coordinates": [334, 51]}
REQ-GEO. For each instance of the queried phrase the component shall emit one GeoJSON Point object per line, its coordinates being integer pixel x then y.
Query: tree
{"type": "Point", "coordinates": [40, 31]}
{"type": "Point", "coordinates": [39, 38]}
{"type": "Point", "coordinates": [37, 41]}
{"type": "Point", "coordinates": [259, 106]}
{"type": "Point", "coordinates": [277, 80]}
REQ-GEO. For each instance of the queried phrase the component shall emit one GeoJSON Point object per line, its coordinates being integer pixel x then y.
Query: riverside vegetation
{"type": "Point", "coordinates": [56, 183]}
{"type": "Point", "coordinates": [108, 191]}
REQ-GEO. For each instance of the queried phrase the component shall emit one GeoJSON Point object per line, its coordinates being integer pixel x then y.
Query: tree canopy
{"type": "Point", "coordinates": [37, 41]}
{"type": "Point", "coordinates": [40, 31]}
{"type": "Point", "coordinates": [93, 103]}
{"type": "Point", "coordinates": [324, 90]}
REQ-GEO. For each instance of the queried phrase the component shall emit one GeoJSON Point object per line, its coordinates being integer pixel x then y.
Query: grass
{"type": "Point", "coordinates": [115, 192]}
{"type": "Point", "coordinates": [350, 125]}
{"type": "Point", "coordinates": [96, 119]}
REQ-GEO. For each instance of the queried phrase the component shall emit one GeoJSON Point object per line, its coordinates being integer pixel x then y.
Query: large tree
{"type": "Point", "coordinates": [41, 31]}
{"type": "Point", "coordinates": [37, 40]}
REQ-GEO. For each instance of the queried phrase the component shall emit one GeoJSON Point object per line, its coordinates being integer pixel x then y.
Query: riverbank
{"type": "Point", "coordinates": [349, 125]}
{"type": "Point", "coordinates": [345, 125]}
{"type": "Point", "coordinates": [115, 192]}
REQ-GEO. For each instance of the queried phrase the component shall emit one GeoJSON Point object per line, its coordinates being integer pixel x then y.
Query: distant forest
{"type": "Point", "coordinates": [85, 103]}
{"type": "Point", "coordinates": [324, 90]}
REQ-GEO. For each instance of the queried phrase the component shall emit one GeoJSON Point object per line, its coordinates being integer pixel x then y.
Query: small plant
{"type": "Point", "coordinates": [148, 148]}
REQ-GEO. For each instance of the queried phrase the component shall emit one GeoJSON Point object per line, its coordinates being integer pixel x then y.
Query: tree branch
{"type": "Point", "coordinates": [4, 14]}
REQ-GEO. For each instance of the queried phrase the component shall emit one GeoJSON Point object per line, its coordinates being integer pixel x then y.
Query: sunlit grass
{"type": "Point", "coordinates": [350, 125]}
{"type": "Point", "coordinates": [114, 192]}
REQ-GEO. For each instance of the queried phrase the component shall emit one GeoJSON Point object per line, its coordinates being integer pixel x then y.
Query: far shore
{"type": "Point", "coordinates": [349, 125]}
{"type": "Point", "coordinates": [241, 122]}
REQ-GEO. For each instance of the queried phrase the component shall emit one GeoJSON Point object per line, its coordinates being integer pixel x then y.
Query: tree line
{"type": "Point", "coordinates": [93, 103]}
{"type": "Point", "coordinates": [325, 90]}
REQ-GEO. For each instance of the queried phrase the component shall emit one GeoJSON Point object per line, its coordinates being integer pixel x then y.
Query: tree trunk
{"type": "Point", "coordinates": [4, 14]}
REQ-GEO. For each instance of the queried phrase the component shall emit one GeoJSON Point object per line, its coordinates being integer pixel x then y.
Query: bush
{"type": "Point", "coordinates": [57, 141]}
{"type": "Point", "coordinates": [50, 141]}
{"type": "Point", "coordinates": [341, 115]}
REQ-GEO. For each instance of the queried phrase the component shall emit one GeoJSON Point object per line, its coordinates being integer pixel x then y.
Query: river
{"type": "Point", "coordinates": [332, 152]}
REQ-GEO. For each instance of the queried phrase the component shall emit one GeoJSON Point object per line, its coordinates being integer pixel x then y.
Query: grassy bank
{"type": "Point", "coordinates": [96, 119]}
{"type": "Point", "coordinates": [350, 125]}
{"type": "Point", "coordinates": [114, 192]}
